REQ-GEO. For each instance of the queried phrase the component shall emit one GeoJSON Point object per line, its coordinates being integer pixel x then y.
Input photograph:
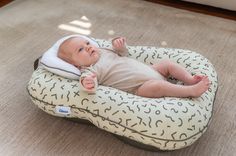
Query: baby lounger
{"type": "Point", "coordinates": [160, 123]}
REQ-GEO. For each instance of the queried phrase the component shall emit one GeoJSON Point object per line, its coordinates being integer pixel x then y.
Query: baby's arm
{"type": "Point", "coordinates": [88, 81]}
{"type": "Point", "coordinates": [119, 45]}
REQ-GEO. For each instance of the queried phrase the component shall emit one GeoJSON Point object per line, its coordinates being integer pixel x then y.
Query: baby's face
{"type": "Point", "coordinates": [82, 52]}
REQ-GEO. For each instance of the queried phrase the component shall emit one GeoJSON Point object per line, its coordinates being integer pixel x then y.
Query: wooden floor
{"type": "Point", "coordinates": [28, 28]}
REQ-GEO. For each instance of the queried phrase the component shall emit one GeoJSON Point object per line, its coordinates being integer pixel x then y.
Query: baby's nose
{"type": "Point", "coordinates": [88, 48]}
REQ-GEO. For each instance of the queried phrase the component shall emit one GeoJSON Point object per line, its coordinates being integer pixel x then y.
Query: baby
{"type": "Point", "coordinates": [111, 67]}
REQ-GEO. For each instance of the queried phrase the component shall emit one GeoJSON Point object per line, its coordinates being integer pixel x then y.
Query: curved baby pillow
{"type": "Point", "coordinates": [54, 64]}
{"type": "Point", "coordinates": [166, 123]}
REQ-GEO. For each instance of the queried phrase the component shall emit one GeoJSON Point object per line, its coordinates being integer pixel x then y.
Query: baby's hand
{"type": "Point", "coordinates": [88, 82]}
{"type": "Point", "coordinates": [119, 43]}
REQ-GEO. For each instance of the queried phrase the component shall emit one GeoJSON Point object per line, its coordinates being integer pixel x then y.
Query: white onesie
{"type": "Point", "coordinates": [119, 72]}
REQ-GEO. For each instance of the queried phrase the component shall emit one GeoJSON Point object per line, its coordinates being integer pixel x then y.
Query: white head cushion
{"type": "Point", "coordinates": [54, 64]}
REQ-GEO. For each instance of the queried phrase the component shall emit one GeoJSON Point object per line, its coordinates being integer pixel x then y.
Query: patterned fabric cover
{"type": "Point", "coordinates": [164, 123]}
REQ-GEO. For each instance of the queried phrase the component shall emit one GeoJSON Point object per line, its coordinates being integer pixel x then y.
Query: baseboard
{"type": "Point", "coordinates": [205, 9]}
{"type": "Point", "coordinates": [4, 2]}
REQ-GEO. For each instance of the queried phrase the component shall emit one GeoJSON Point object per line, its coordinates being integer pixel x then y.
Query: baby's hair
{"type": "Point", "coordinates": [63, 53]}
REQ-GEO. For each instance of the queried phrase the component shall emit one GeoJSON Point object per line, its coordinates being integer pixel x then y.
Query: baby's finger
{"type": "Point", "coordinates": [114, 41]}
{"type": "Point", "coordinates": [94, 76]}
{"type": "Point", "coordinates": [89, 86]}
{"type": "Point", "coordinates": [121, 39]}
{"type": "Point", "coordinates": [117, 42]}
{"type": "Point", "coordinates": [124, 39]}
{"type": "Point", "coordinates": [91, 77]}
{"type": "Point", "coordinates": [121, 43]}
{"type": "Point", "coordinates": [85, 84]}
{"type": "Point", "coordinates": [86, 80]}
{"type": "Point", "coordinates": [89, 82]}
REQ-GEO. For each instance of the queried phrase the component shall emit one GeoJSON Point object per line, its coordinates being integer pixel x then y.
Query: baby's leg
{"type": "Point", "coordinates": [167, 67]}
{"type": "Point", "coordinates": [161, 88]}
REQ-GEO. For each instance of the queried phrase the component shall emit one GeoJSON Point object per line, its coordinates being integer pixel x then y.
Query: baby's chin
{"type": "Point", "coordinates": [96, 56]}
{"type": "Point", "coordinates": [97, 50]}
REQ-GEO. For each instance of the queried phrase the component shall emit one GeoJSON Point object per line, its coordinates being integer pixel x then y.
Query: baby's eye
{"type": "Point", "coordinates": [80, 49]}
{"type": "Point", "coordinates": [88, 43]}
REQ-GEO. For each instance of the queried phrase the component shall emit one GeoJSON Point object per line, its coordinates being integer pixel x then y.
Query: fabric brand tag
{"type": "Point", "coordinates": [63, 110]}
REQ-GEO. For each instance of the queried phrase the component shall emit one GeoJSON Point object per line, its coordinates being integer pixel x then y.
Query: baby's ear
{"type": "Point", "coordinates": [79, 67]}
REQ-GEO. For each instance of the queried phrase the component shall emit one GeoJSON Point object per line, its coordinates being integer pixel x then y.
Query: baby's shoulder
{"type": "Point", "coordinates": [107, 51]}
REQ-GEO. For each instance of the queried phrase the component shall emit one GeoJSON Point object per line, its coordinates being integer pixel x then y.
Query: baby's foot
{"type": "Point", "coordinates": [199, 88]}
{"type": "Point", "coordinates": [194, 79]}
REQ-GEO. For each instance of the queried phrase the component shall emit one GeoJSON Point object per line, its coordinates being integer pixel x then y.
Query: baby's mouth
{"type": "Point", "coordinates": [92, 52]}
